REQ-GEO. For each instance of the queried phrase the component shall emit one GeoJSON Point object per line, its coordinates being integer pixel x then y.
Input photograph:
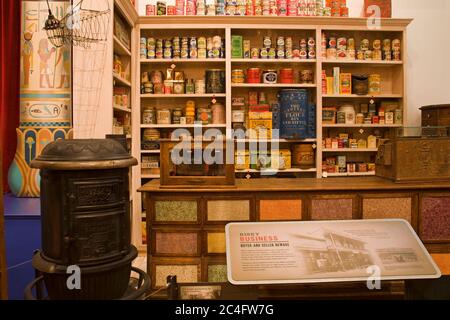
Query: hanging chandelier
{"type": "Point", "coordinates": [80, 27]}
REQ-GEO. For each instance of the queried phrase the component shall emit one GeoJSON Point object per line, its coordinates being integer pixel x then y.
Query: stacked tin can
{"type": "Point", "coordinates": [292, 7]}
{"type": "Point", "coordinates": [220, 7]}
{"type": "Point", "coordinates": [143, 48]}
{"type": "Point", "coordinates": [281, 47]}
{"type": "Point", "coordinates": [151, 48]}
{"type": "Point", "coordinates": [201, 7]}
{"type": "Point", "coordinates": [191, 8]}
{"type": "Point", "coordinates": [396, 50]}
{"type": "Point", "coordinates": [282, 7]}
{"type": "Point", "coordinates": [311, 48]}
{"type": "Point", "coordinates": [231, 7]}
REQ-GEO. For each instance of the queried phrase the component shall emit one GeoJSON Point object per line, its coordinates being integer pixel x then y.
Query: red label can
{"type": "Point", "coordinates": [287, 75]}
{"type": "Point", "coordinates": [150, 10]}
{"type": "Point", "coordinates": [171, 10]}
{"type": "Point", "coordinates": [254, 75]}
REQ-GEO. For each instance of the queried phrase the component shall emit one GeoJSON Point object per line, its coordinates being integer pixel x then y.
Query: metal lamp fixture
{"type": "Point", "coordinates": [80, 27]}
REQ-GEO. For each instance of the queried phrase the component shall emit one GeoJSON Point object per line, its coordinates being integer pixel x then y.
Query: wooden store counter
{"type": "Point", "coordinates": [187, 236]}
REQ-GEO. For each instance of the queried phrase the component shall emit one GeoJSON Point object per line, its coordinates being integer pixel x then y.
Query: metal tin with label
{"type": "Point", "coordinates": [164, 116]}
{"type": "Point", "coordinates": [238, 76]}
{"type": "Point", "coordinates": [270, 76]}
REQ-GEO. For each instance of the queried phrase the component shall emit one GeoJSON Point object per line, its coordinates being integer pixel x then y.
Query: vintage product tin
{"type": "Point", "coordinates": [360, 84]}
{"type": "Point", "coordinates": [238, 116]}
{"type": "Point", "coordinates": [148, 88]}
{"type": "Point", "coordinates": [254, 54]}
{"type": "Point", "coordinates": [294, 109]}
{"type": "Point", "coordinates": [217, 42]}
{"type": "Point", "coordinates": [201, 53]}
{"type": "Point", "coordinates": [281, 159]}
{"type": "Point", "coordinates": [342, 43]}
{"type": "Point", "coordinates": [351, 54]}
{"type": "Point", "coordinates": [254, 75]}
{"type": "Point", "coordinates": [376, 44]}
{"type": "Point", "coordinates": [375, 84]}
{"type": "Point", "coordinates": [215, 81]}
{"type": "Point", "coordinates": [307, 76]}
{"type": "Point", "coordinates": [396, 56]}
{"type": "Point", "coordinates": [204, 116]}
{"type": "Point", "coordinates": [289, 54]}
{"type": "Point", "coordinates": [267, 42]}
{"type": "Point", "coordinates": [200, 87]}
{"type": "Point", "coordinates": [311, 54]}
{"type": "Point", "coordinates": [176, 116]}
{"type": "Point", "coordinates": [161, 8]}
{"type": "Point", "coordinates": [143, 54]}
{"type": "Point", "coordinates": [270, 76]}
{"type": "Point", "coordinates": [360, 118]}
{"type": "Point", "coordinates": [201, 42]}
{"type": "Point", "coordinates": [396, 45]}
{"type": "Point", "coordinates": [368, 55]}
{"type": "Point", "coordinates": [331, 54]}
{"type": "Point", "coordinates": [218, 113]}
{"type": "Point", "coordinates": [242, 160]}
{"type": "Point", "coordinates": [178, 87]}
{"type": "Point", "coordinates": [190, 86]}
{"type": "Point", "coordinates": [387, 55]}
{"type": "Point", "coordinates": [340, 117]}
{"type": "Point", "coordinates": [287, 75]}
{"type": "Point", "coordinates": [398, 116]}
{"type": "Point", "coordinates": [365, 44]}
{"type": "Point", "coordinates": [264, 53]}
{"type": "Point", "coordinates": [351, 44]}
{"type": "Point", "coordinates": [332, 42]}
{"type": "Point", "coordinates": [303, 156]}
{"type": "Point", "coordinates": [164, 116]}
{"type": "Point", "coordinates": [238, 76]}
{"type": "Point", "coordinates": [150, 10]}
{"type": "Point", "coordinates": [360, 55]}
{"type": "Point", "coordinates": [377, 55]}
{"type": "Point", "coordinates": [281, 54]}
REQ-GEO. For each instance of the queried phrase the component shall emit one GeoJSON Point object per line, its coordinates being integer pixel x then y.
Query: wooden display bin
{"type": "Point", "coordinates": [192, 175]}
{"type": "Point", "coordinates": [414, 159]}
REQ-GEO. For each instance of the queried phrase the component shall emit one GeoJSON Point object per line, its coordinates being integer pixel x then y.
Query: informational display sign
{"type": "Point", "coordinates": [326, 251]}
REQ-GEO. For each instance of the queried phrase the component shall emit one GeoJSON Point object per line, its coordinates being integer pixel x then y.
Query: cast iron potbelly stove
{"type": "Point", "coordinates": [85, 202]}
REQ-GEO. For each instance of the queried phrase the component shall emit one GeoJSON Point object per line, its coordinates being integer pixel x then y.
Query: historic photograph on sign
{"type": "Point", "coordinates": [200, 292]}
{"type": "Point", "coordinates": [307, 252]}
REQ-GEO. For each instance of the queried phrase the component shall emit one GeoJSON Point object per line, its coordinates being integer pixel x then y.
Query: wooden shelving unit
{"type": "Point", "coordinates": [255, 28]}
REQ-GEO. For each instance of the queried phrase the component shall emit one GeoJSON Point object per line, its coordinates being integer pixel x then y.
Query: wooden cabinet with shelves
{"type": "Point", "coordinates": [393, 74]}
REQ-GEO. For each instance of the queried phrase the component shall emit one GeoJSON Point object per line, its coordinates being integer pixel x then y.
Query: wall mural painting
{"type": "Point", "coordinates": [45, 99]}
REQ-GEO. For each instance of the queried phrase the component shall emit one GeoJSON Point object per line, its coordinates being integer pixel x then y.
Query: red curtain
{"type": "Point", "coordinates": [9, 80]}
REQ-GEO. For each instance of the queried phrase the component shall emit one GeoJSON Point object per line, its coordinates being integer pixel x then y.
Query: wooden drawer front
{"type": "Point", "coordinates": [434, 220]}
{"type": "Point", "coordinates": [228, 210]}
{"type": "Point", "coordinates": [216, 272]}
{"type": "Point", "coordinates": [430, 118]}
{"type": "Point", "coordinates": [280, 210]}
{"type": "Point", "coordinates": [333, 208]}
{"type": "Point", "coordinates": [215, 243]}
{"type": "Point", "coordinates": [187, 271]}
{"type": "Point", "coordinates": [388, 208]}
{"type": "Point", "coordinates": [169, 211]}
{"type": "Point", "coordinates": [176, 243]}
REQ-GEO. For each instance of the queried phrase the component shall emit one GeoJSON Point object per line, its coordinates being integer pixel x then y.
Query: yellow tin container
{"type": "Point", "coordinates": [242, 160]}
{"type": "Point", "coordinates": [281, 159]}
{"type": "Point", "coordinates": [260, 129]}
